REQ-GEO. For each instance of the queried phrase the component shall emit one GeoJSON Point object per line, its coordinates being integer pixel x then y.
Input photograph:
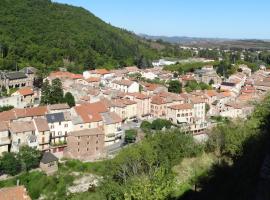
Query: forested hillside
{"type": "Point", "coordinates": [45, 34]}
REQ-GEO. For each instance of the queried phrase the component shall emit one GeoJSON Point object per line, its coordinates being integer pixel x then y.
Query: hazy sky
{"type": "Point", "coordinates": [198, 18]}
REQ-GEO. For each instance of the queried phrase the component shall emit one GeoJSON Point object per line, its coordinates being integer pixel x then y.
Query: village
{"type": "Point", "coordinates": [110, 102]}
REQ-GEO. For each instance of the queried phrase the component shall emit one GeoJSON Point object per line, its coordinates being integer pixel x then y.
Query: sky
{"type": "Point", "coordinates": [239, 19]}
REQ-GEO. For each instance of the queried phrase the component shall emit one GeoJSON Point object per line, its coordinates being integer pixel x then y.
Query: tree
{"type": "Point", "coordinates": [57, 93]}
{"type": "Point", "coordinates": [159, 124]}
{"type": "Point", "coordinates": [29, 157]}
{"type": "Point", "coordinates": [45, 93]}
{"type": "Point", "coordinates": [175, 86]}
{"type": "Point", "coordinates": [146, 126]}
{"type": "Point", "coordinates": [69, 99]}
{"type": "Point", "coordinates": [130, 136]}
{"type": "Point", "coordinates": [10, 164]}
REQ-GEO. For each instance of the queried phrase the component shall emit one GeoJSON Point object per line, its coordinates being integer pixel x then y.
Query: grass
{"type": "Point", "coordinates": [55, 187]}
{"type": "Point", "coordinates": [189, 170]}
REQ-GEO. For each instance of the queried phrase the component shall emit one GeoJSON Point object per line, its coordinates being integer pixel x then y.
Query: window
{"type": "Point", "coordinates": [19, 141]}
{"type": "Point", "coordinates": [52, 126]}
{"type": "Point", "coordinates": [59, 123]}
{"type": "Point", "coordinates": [96, 148]}
{"type": "Point", "coordinates": [78, 150]}
{"type": "Point", "coordinates": [97, 142]}
{"type": "Point", "coordinates": [59, 132]}
{"type": "Point", "coordinates": [66, 125]}
{"type": "Point", "coordinates": [87, 149]}
{"type": "Point", "coordinates": [78, 143]}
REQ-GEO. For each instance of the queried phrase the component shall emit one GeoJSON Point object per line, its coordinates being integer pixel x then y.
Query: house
{"type": "Point", "coordinates": [132, 69]}
{"type": "Point", "coordinates": [158, 107]}
{"type": "Point", "coordinates": [207, 75]}
{"type": "Point", "coordinates": [125, 108]}
{"type": "Point", "coordinates": [143, 103]}
{"type": "Point", "coordinates": [15, 80]}
{"type": "Point", "coordinates": [49, 163]}
{"type": "Point", "coordinates": [14, 100]}
{"type": "Point", "coordinates": [180, 113]}
{"type": "Point", "coordinates": [100, 73]}
{"type": "Point", "coordinates": [27, 95]}
{"type": "Point", "coordinates": [14, 193]}
{"type": "Point", "coordinates": [125, 85]}
{"type": "Point", "coordinates": [4, 137]}
{"type": "Point", "coordinates": [60, 125]}
{"type": "Point", "coordinates": [42, 133]}
{"type": "Point", "coordinates": [151, 88]}
{"type": "Point", "coordinates": [86, 145]}
{"type": "Point", "coordinates": [112, 128]}
{"type": "Point", "coordinates": [149, 75]}
{"type": "Point", "coordinates": [22, 133]}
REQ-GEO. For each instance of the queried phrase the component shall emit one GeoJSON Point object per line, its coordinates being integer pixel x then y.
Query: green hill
{"type": "Point", "coordinates": [45, 34]}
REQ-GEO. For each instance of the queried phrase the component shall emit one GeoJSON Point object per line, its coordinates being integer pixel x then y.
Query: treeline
{"type": "Point", "coordinates": [187, 67]}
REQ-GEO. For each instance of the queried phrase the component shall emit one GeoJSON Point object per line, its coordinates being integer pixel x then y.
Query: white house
{"type": "Point", "coordinates": [124, 85]}
{"type": "Point", "coordinates": [149, 75]}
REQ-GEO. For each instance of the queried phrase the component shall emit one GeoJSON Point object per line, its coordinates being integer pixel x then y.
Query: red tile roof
{"type": "Point", "coordinates": [14, 193]}
{"type": "Point", "coordinates": [90, 112]}
{"type": "Point", "coordinates": [158, 100]}
{"type": "Point", "coordinates": [59, 74]}
{"type": "Point", "coordinates": [25, 91]}
{"type": "Point", "coordinates": [93, 79]}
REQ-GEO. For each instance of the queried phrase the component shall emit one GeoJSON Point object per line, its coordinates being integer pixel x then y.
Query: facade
{"type": "Point", "coordinates": [15, 80]}
{"type": "Point", "coordinates": [14, 100]}
{"type": "Point", "coordinates": [4, 137]}
{"type": "Point", "coordinates": [125, 108]}
{"type": "Point", "coordinates": [27, 96]}
{"type": "Point", "coordinates": [60, 125]}
{"type": "Point", "coordinates": [125, 86]}
{"type": "Point", "coordinates": [86, 145]}
{"type": "Point", "coordinates": [42, 133]}
{"type": "Point", "coordinates": [22, 133]}
{"type": "Point", "coordinates": [143, 104]}
{"type": "Point", "coordinates": [208, 74]}
{"type": "Point", "coordinates": [112, 128]}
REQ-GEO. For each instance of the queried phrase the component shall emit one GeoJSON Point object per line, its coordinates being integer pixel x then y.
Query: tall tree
{"type": "Point", "coordinates": [69, 99]}
{"type": "Point", "coordinates": [45, 93]}
{"type": "Point", "coordinates": [57, 93]}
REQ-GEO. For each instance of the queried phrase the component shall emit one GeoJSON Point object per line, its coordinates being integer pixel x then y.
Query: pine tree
{"type": "Point", "coordinates": [69, 99]}
{"type": "Point", "coordinates": [45, 93]}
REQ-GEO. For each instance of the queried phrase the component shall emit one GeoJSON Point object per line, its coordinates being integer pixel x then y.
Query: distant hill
{"type": "Point", "coordinates": [42, 33]}
{"type": "Point", "coordinates": [212, 42]}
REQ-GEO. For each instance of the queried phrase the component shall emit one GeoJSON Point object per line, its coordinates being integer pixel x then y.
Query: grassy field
{"type": "Point", "coordinates": [189, 170]}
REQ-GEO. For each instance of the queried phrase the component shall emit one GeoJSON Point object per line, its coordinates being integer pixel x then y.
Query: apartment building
{"type": "Point", "coordinates": [85, 145]}
{"type": "Point", "coordinates": [4, 137]}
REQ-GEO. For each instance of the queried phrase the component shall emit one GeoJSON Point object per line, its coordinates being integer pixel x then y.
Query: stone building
{"type": "Point", "coordinates": [15, 80]}
{"type": "Point", "coordinates": [49, 163]}
{"type": "Point", "coordinates": [87, 144]}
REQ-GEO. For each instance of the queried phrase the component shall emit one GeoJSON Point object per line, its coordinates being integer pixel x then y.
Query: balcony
{"type": "Point", "coordinates": [32, 141]}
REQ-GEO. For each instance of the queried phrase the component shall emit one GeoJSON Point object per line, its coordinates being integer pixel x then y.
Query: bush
{"type": "Point", "coordinates": [130, 136]}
